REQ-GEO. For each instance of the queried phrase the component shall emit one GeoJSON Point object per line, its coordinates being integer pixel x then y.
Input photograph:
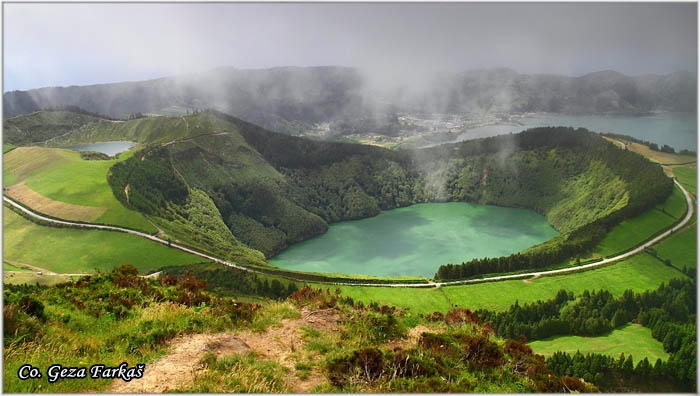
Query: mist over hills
{"type": "Point", "coordinates": [294, 99]}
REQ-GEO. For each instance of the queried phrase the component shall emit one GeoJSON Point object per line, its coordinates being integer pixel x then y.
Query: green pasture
{"type": "Point", "coordinates": [688, 178]}
{"type": "Point", "coordinates": [69, 250]}
{"type": "Point", "coordinates": [7, 147]}
{"type": "Point", "coordinates": [10, 267]}
{"type": "Point", "coordinates": [631, 339]}
{"type": "Point", "coordinates": [31, 278]}
{"type": "Point", "coordinates": [63, 176]}
{"type": "Point", "coordinates": [418, 300]}
{"type": "Point", "coordinates": [633, 232]}
{"type": "Point", "coordinates": [681, 249]}
{"type": "Point", "coordinates": [638, 273]}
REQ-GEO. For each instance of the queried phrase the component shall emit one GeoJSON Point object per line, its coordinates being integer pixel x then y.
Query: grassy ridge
{"type": "Point", "coordinates": [78, 251]}
{"type": "Point", "coordinates": [63, 176]}
{"type": "Point", "coordinates": [43, 126]}
{"type": "Point", "coordinates": [636, 230]}
{"type": "Point", "coordinates": [632, 337]}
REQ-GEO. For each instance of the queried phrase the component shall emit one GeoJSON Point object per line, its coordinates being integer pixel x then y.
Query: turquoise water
{"type": "Point", "coordinates": [417, 239]}
{"type": "Point", "coordinates": [678, 130]}
{"type": "Point", "coordinates": [109, 148]}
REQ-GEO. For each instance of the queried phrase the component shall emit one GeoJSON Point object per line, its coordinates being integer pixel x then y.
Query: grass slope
{"type": "Point", "coordinates": [43, 126]}
{"type": "Point", "coordinates": [78, 251]}
{"type": "Point", "coordinates": [688, 178]}
{"type": "Point", "coordinates": [681, 249]}
{"type": "Point", "coordinates": [632, 337]}
{"type": "Point", "coordinates": [314, 341]}
{"type": "Point", "coordinates": [634, 231]}
{"type": "Point", "coordinates": [61, 175]}
{"type": "Point", "coordinates": [638, 273]}
{"type": "Point", "coordinates": [10, 267]}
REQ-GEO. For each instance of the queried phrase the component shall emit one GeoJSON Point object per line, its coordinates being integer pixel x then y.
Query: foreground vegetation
{"type": "Point", "coordinates": [119, 317]}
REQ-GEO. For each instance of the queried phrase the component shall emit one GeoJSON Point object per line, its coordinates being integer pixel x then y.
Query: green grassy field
{"type": "Point", "coordinates": [631, 337]}
{"type": "Point", "coordinates": [63, 176]}
{"type": "Point", "coordinates": [78, 251]}
{"type": "Point", "coordinates": [7, 147]}
{"type": "Point", "coordinates": [640, 272]}
{"type": "Point", "coordinates": [419, 301]}
{"type": "Point", "coordinates": [681, 249]}
{"type": "Point", "coordinates": [688, 178]}
{"type": "Point", "coordinates": [634, 231]}
{"type": "Point", "coordinates": [9, 267]}
{"type": "Point", "coordinates": [31, 278]}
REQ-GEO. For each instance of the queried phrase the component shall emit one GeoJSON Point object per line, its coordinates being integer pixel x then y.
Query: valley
{"type": "Point", "coordinates": [349, 198]}
{"type": "Point", "coordinates": [281, 190]}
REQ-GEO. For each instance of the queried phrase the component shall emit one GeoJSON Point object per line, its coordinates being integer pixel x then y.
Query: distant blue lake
{"type": "Point", "coordinates": [678, 130]}
{"type": "Point", "coordinates": [109, 148]}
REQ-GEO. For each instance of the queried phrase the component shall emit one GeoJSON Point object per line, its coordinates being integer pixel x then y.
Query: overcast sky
{"type": "Point", "coordinates": [81, 44]}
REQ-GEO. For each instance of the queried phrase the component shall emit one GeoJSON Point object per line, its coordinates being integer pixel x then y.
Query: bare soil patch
{"type": "Point", "coordinates": [62, 210]}
{"type": "Point", "coordinates": [282, 343]}
{"type": "Point", "coordinates": [178, 369]}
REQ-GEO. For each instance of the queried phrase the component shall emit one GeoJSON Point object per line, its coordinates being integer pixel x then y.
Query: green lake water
{"type": "Point", "coordinates": [417, 239]}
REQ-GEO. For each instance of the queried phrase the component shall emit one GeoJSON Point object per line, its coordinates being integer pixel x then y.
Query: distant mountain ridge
{"type": "Point", "coordinates": [292, 99]}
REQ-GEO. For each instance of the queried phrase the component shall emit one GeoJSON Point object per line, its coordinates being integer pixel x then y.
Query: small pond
{"type": "Point", "coordinates": [109, 148]}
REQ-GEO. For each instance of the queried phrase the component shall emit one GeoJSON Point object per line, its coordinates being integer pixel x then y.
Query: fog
{"type": "Point", "coordinates": [396, 45]}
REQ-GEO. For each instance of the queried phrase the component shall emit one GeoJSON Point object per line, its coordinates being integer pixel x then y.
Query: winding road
{"type": "Point", "coordinates": [638, 249]}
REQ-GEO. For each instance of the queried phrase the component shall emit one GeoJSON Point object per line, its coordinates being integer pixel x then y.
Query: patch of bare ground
{"type": "Point", "coordinates": [282, 343]}
{"type": "Point", "coordinates": [177, 370]}
{"type": "Point", "coordinates": [412, 338]}
{"type": "Point", "coordinates": [62, 210]}
{"type": "Point", "coordinates": [528, 281]}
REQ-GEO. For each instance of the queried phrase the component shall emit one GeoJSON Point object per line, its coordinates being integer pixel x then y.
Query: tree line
{"type": "Point", "coordinates": [669, 311]}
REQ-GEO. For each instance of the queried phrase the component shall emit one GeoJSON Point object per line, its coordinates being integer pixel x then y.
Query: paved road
{"type": "Point", "coordinates": [638, 249]}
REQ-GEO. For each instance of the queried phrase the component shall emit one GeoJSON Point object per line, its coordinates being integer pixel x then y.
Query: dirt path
{"type": "Point", "coordinates": [32, 267]}
{"type": "Point", "coordinates": [187, 125]}
{"type": "Point", "coordinates": [178, 369]}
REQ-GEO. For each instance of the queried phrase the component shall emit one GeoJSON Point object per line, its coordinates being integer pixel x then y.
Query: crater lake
{"type": "Point", "coordinates": [417, 239]}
